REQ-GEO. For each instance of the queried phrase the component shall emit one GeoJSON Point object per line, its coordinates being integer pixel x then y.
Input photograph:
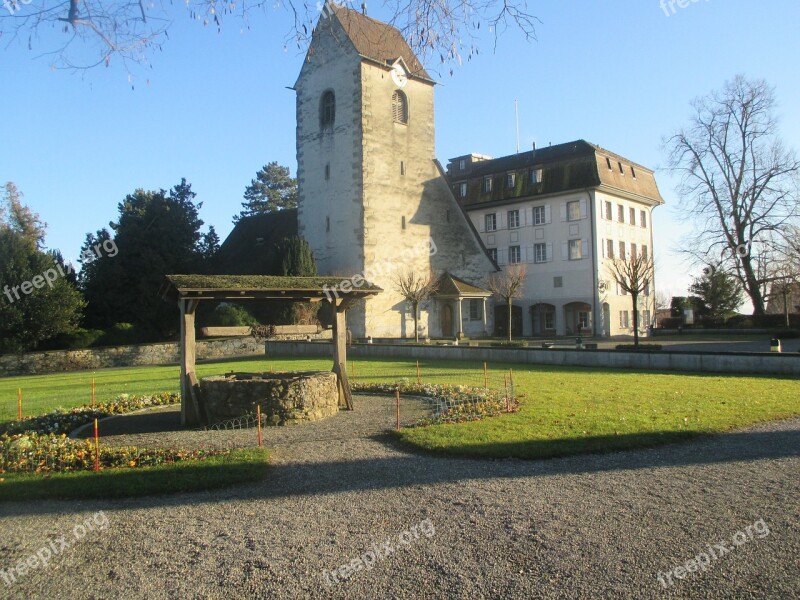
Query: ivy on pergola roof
{"type": "Point", "coordinates": [264, 287]}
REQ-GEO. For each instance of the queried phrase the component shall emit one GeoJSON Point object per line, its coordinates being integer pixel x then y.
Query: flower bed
{"type": "Point", "coordinates": [457, 403]}
{"type": "Point", "coordinates": [40, 444]}
{"type": "Point", "coordinates": [65, 421]}
{"type": "Point", "coordinates": [46, 453]}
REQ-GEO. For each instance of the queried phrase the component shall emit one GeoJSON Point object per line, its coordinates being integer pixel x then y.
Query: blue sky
{"type": "Point", "coordinates": [214, 107]}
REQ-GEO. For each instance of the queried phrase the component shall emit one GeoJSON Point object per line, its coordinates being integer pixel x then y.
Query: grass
{"type": "Point", "coordinates": [565, 410]}
{"type": "Point", "coordinates": [239, 466]}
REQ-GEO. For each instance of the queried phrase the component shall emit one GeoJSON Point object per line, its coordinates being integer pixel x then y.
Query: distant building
{"type": "Point", "coordinates": [564, 211]}
{"type": "Point", "coordinates": [776, 305]}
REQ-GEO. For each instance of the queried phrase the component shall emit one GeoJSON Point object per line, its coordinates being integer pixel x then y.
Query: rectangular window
{"type": "Point", "coordinates": [491, 222]}
{"type": "Point", "coordinates": [609, 212]}
{"type": "Point", "coordinates": [633, 172]}
{"type": "Point", "coordinates": [463, 190]}
{"type": "Point", "coordinates": [622, 250]}
{"type": "Point", "coordinates": [492, 253]}
{"type": "Point", "coordinates": [513, 219]}
{"type": "Point", "coordinates": [462, 164]}
{"type": "Point", "coordinates": [539, 215]}
{"type": "Point", "coordinates": [643, 219]}
{"type": "Point", "coordinates": [624, 317]}
{"type": "Point", "coordinates": [621, 170]}
{"type": "Point", "coordinates": [646, 318]}
{"type": "Point", "coordinates": [633, 216]}
{"type": "Point", "coordinates": [621, 213]}
{"type": "Point", "coordinates": [575, 250]}
{"type": "Point", "coordinates": [403, 222]}
{"type": "Point", "coordinates": [514, 255]}
{"type": "Point", "coordinates": [608, 162]}
{"type": "Point", "coordinates": [475, 312]}
{"type": "Point", "coordinates": [609, 248]}
{"type": "Point", "coordinates": [540, 253]}
{"type": "Point", "coordinates": [573, 211]}
{"type": "Point", "coordinates": [647, 288]}
{"type": "Point", "coordinates": [511, 180]}
{"type": "Point", "coordinates": [644, 252]}
{"type": "Point", "coordinates": [402, 167]}
{"type": "Point", "coordinates": [583, 319]}
{"type": "Point", "coordinates": [327, 171]}
{"type": "Point", "coordinates": [558, 282]}
{"type": "Point", "coordinates": [633, 250]}
{"type": "Point", "coordinates": [536, 176]}
{"type": "Point", "coordinates": [487, 184]}
{"type": "Point", "coordinates": [549, 320]}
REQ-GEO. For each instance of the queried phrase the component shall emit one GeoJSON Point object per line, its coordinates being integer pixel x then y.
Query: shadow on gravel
{"type": "Point", "coordinates": [406, 470]}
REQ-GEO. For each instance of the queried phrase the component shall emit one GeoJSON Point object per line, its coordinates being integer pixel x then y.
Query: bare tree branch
{"type": "Point", "coordinates": [633, 274]}
{"type": "Point", "coordinates": [416, 288]}
{"type": "Point", "coordinates": [508, 285]}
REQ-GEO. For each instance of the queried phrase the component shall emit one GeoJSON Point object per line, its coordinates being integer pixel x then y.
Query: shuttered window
{"type": "Point", "coordinates": [399, 107]}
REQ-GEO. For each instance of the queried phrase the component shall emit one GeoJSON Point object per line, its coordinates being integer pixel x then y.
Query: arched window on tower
{"type": "Point", "coordinates": [327, 110]}
{"type": "Point", "coordinates": [399, 107]}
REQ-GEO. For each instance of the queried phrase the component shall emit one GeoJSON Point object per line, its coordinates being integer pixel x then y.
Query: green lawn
{"type": "Point", "coordinates": [564, 410]}
{"type": "Point", "coordinates": [240, 466]}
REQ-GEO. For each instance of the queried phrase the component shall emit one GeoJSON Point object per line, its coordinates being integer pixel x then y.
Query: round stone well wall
{"type": "Point", "coordinates": [283, 397]}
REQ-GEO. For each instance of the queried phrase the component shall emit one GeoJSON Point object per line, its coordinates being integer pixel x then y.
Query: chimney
{"type": "Point", "coordinates": [364, 8]}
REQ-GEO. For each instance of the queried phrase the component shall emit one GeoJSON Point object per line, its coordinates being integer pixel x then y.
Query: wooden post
{"type": "Point", "coordinates": [189, 416]}
{"type": "Point", "coordinates": [485, 378]}
{"type": "Point", "coordinates": [340, 356]}
{"type": "Point", "coordinates": [397, 406]}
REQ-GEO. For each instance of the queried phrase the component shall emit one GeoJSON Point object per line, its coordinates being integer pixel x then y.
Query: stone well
{"type": "Point", "coordinates": [284, 397]}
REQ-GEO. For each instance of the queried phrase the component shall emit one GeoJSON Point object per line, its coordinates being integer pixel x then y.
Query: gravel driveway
{"type": "Point", "coordinates": [602, 525]}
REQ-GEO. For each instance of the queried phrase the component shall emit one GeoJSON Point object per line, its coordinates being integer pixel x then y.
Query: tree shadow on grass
{"type": "Point", "coordinates": [407, 470]}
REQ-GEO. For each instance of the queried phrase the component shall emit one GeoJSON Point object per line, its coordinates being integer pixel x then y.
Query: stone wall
{"type": "Point", "coordinates": [704, 362]}
{"type": "Point", "coordinates": [284, 397]}
{"type": "Point", "coordinates": [39, 363]}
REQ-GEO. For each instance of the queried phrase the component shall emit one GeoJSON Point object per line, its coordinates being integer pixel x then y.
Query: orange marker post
{"type": "Point", "coordinates": [397, 402]}
{"type": "Point", "coordinates": [419, 380]}
{"type": "Point", "coordinates": [96, 448]}
{"type": "Point", "coordinates": [258, 418]}
{"type": "Point", "coordinates": [19, 404]}
{"type": "Point", "coordinates": [92, 392]}
{"type": "Point", "coordinates": [485, 377]}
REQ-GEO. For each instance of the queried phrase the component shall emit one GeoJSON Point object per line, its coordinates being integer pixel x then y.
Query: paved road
{"type": "Point", "coordinates": [593, 526]}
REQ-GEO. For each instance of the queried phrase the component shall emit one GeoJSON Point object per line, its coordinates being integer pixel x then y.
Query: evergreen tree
{"type": "Point", "coordinates": [272, 189]}
{"type": "Point", "coordinates": [294, 257]}
{"type": "Point", "coordinates": [715, 294]}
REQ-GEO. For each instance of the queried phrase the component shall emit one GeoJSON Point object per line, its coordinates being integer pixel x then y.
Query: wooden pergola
{"type": "Point", "coordinates": [189, 290]}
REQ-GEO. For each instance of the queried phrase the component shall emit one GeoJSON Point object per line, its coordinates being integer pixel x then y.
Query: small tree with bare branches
{"type": "Point", "coordinates": [633, 275]}
{"type": "Point", "coordinates": [416, 288]}
{"type": "Point", "coordinates": [507, 286]}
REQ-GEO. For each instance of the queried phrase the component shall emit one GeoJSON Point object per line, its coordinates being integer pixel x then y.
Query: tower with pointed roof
{"type": "Point", "coordinates": [373, 201]}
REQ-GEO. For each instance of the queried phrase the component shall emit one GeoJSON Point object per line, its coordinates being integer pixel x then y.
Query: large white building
{"type": "Point", "coordinates": [564, 212]}
{"type": "Point", "coordinates": [374, 201]}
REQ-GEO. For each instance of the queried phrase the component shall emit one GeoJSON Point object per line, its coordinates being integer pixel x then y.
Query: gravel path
{"type": "Point", "coordinates": [578, 527]}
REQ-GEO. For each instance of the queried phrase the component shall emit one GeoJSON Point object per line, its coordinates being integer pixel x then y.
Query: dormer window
{"type": "Point", "coordinates": [327, 112]}
{"type": "Point", "coordinates": [399, 107]}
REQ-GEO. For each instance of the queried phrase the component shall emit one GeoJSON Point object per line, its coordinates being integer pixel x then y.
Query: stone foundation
{"type": "Point", "coordinates": [284, 397]}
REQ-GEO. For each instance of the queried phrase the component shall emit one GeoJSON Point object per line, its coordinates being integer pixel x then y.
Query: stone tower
{"type": "Point", "coordinates": [372, 198]}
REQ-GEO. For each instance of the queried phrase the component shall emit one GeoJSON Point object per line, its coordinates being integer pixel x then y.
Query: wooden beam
{"type": "Point", "coordinates": [340, 355]}
{"type": "Point", "coordinates": [197, 404]}
{"type": "Point", "coordinates": [189, 416]}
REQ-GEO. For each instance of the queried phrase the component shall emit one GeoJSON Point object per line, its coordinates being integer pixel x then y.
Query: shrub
{"type": "Point", "coordinates": [639, 348]}
{"type": "Point", "coordinates": [77, 340]}
{"type": "Point", "coordinates": [119, 334]}
{"type": "Point", "coordinates": [231, 315]}
{"type": "Point", "coordinates": [671, 323]}
{"type": "Point", "coordinates": [785, 334]}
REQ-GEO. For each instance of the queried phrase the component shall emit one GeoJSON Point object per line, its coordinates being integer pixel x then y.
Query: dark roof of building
{"type": "Point", "coordinates": [571, 166]}
{"type": "Point", "coordinates": [450, 285]}
{"type": "Point", "coordinates": [376, 40]}
{"type": "Point", "coordinates": [244, 251]}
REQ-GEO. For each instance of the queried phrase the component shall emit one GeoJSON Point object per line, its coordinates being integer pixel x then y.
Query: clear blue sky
{"type": "Point", "coordinates": [216, 108]}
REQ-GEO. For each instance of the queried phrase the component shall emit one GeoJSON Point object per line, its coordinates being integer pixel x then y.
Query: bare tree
{"type": "Point", "coordinates": [416, 288]}
{"type": "Point", "coordinates": [633, 274]}
{"type": "Point", "coordinates": [508, 285]}
{"type": "Point", "coordinates": [129, 30]}
{"type": "Point", "coordinates": [739, 184]}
